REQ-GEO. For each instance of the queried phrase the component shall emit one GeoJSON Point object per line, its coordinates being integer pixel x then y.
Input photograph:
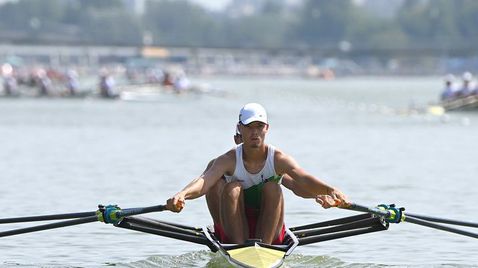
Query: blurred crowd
{"type": "Point", "coordinates": [41, 81]}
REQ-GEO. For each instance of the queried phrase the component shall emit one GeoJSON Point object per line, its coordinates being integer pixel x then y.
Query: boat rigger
{"type": "Point", "coordinates": [253, 253]}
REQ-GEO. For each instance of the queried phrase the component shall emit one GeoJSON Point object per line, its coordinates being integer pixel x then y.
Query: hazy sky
{"type": "Point", "coordinates": [212, 4]}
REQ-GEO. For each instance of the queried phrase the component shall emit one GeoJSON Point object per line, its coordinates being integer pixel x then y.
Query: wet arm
{"type": "Point", "coordinates": [296, 188]}
{"type": "Point", "coordinates": [201, 185]}
{"type": "Point", "coordinates": [300, 182]}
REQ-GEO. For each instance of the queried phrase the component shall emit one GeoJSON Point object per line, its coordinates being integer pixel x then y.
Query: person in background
{"type": "Point", "coordinates": [44, 83]}
{"type": "Point", "coordinates": [168, 79]}
{"type": "Point", "coordinates": [107, 84]}
{"type": "Point", "coordinates": [181, 84]}
{"type": "Point", "coordinates": [474, 90]}
{"type": "Point", "coordinates": [72, 84]}
{"type": "Point", "coordinates": [467, 86]}
{"type": "Point", "coordinates": [449, 92]}
{"type": "Point", "coordinates": [10, 86]}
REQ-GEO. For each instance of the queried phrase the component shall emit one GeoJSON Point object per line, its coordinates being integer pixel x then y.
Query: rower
{"type": "Point", "coordinates": [251, 204]}
{"type": "Point", "coordinates": [449, 91]}
{"type": "Point", "coordinates": [106, 85]}
{"type": "Point", "coordinates": [181, 84]}
{"type": "Point", "coordinates": [9, 80]}
{"type": "Point", "coordinates": [44, 83]}
{"type": "Point", "coordinates": [213, 197]}
{"type": "Point", "coordinates": [467, 87]}
{"type": "Point", "coordinates": [72, 82]}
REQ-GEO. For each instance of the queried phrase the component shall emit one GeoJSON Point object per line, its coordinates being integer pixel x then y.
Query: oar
{"type": "Point", "coordinates": [49, 217]}
{"type": "Point", "coordinates": [141, 210]}
{"type": "Point", "coordinates": [386, 213]}
{"type": "Point", "coordinates": [373, 210]}
{"type": "Point", "coordinates": [64, 216]}
{"type": "Point", "coordinates": [440, 227]}
{"type": "Point", "coordinates": [442, 220]}
{"type": "Point", "coordinates": [49, 226]}
{"type": "Point", "coordinates": [110, 214]}
{"type": "Point", "coordinates": [391, 213]}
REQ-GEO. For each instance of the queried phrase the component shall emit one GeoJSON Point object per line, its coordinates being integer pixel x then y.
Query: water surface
{"type": "Point", "coordinates": [70, 155]}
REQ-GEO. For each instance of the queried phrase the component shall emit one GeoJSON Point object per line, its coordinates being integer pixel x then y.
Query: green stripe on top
{"type": "Point", "coordinates": [253, 194]}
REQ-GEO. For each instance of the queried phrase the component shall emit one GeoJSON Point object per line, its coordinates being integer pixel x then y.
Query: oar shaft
{"type": "Point", "coordinates": [49, 217]}
{"type": "Point", "coordinates": [376, 211]}
{"type": "Point", "coordinates": [64, 216]}
{"type": "Point", "coordinates": [49, 226]}
{"type": "Point", "coordinates": [420, 220]}
{"type": "Point", "coordinates": [141, 210]}
{"type": "Point", "coordinates": [441, 220]}
{"type": "Point", "coordinates": [331, 222]}
{"type": "Point", "coordinates": [440, 227]}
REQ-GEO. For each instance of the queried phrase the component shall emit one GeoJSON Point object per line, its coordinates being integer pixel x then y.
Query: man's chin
{"type": "Point", "coordinates": [256, 145]}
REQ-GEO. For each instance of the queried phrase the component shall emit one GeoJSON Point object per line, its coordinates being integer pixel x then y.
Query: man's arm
{"type": "Point", "coordinates": [305, 185]}
{"type": "Point", "coordinates": [201, 185]}
{"type": "Point", "coordinates": [296, 188]}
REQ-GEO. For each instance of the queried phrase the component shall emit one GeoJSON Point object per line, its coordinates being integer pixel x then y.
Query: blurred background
{"type": "Point", "coordinates": [238, 37]}
{"type": "Point", "coordinates": [62, 39]}
{"type": "Point", "coordinates": [125, 101]}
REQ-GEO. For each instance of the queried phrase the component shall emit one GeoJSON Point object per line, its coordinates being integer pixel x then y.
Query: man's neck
{"type": "Point", "coordinates": [254, 153]}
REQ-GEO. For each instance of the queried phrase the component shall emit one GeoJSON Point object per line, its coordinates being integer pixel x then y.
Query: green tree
{"type": "Point", "coordinates": [180, 23]}
{"type": "Point", "coordinates": [467, 20]}
{"type": "Point", "coordinates": [368, 31]}
{"type": "Point", "coordinates": [27, 14]}
{"type": "Point", "coordinates": [432, 23]}
{"type": "Point", "coordinates": [112, 27]}
{"type": "Point", "coordinates": [324, 22]}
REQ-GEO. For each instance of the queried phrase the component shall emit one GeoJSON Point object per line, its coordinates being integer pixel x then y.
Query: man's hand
{"type": "Point", "coordinates": [176, 203]}
{"type": "Point", "coordinates": [333, 198]}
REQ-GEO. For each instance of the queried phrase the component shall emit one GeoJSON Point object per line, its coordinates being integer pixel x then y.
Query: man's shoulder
{"type": "Point", "coordinates": [229, 155]}
{"type": "Point", "coordinates": [280, 157]}
{"type": "Point", "coordinates": [227, 161]}
{"type": "Point", "coordinates": [279, 153]}
{"type": "Point", "coordinates": [283, 161]}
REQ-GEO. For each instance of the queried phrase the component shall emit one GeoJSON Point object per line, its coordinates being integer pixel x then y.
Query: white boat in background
{"type": "Point", "coordinates": [158, 93]}
{"type": "Point", "coordinates": [143, 94]}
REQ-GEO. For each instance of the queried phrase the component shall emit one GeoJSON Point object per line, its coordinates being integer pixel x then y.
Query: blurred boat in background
{"type": "Point", "coordinates": [469, 103]}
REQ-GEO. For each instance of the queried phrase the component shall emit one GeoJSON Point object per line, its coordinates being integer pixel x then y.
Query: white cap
{"type": "Point", "coordinates": [252, 112]}
{"type": "Point", "coordinates": [467, 76]}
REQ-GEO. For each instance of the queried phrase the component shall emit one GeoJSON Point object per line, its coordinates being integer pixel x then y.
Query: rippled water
{"type": "Point", "coordinates": [70, 155]}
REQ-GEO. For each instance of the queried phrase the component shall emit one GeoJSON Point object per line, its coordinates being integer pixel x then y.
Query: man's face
{"type": "Point", "coordinates": [253, 134]}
